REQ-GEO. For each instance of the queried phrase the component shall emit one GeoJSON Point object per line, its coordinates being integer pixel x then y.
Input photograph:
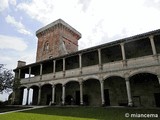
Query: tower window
{"type": "Point", "coordinates": [50, 56]}
{"type": "Point", "coordinates": [46, 46]}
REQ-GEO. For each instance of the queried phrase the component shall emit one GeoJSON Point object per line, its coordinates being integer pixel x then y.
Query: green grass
{"type": "Point", "coordinates": [79, 113]}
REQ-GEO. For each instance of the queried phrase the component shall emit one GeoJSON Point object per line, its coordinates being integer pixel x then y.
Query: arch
{"type": "Point", "coordinates": [145, 88]}
{"type": "Point", "coordinates": [141, 71]}
{"type": "Point", "coordinates": [72, 93]}
{"type": "Point", "coordinates": [23, 86]}
{"type": "Point", "coordinates": [58, 83]}
{"type": "Point", "coordinates": [46, 84]}
{"type": "Point", "coordinates": [34, 94]}
{"type": "Point", "coordinates": [91, 92]}
{"type": "Point", "coordinates": [74, 80]}
{"type": "Point", "coordinates": [46, 93]}
{"type": "Point", "coordinates": [114, 75]}
{"type": "Point", "coordinates": [115, 93]}
{"type": "Point", "coordinates": [91, 77]}
{"type": "Point", "coordinates": [34, 86]}
{"type": "Point", "coordinates": [58, 93]}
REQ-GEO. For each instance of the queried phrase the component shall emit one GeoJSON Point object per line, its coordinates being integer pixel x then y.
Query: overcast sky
{"type": "Point", "coordinates": [99, 21]}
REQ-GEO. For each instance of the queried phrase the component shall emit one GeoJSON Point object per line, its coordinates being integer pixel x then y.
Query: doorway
{"type": "Point", "coordinates": [49, 99]}
{"type": "Point", "coordinates": [77, 97]}
{"type": "Point", "coordinates": [106, 97]}
{"type": "Point", "coordinates": [157, 99]}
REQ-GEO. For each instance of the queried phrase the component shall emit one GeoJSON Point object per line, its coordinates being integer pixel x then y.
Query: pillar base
{"type": "Point", "coordinates": [53, 104]}
{"type": "Point", "coordinates": [63, 104]}
{"type": "Point", "coordinates": [103, 105]}
{"type": "Point", "coordinates": [130, 104]}
{"type": "Point", "coordinates": [81, 104]}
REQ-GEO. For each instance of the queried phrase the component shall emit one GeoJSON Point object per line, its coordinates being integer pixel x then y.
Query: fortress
{"type": "Point", "coordinates": [125, 72]}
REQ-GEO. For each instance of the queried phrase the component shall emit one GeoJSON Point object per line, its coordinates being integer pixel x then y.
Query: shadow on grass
{"type": "Point", "coordinates": [95, 112]}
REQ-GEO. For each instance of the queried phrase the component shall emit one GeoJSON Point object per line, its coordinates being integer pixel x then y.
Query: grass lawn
{"type": "Point", "coordinates": [79, 113]}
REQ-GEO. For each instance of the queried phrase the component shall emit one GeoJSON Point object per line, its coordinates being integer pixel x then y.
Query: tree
{"type": "Point", "coordinates": [6, 79]}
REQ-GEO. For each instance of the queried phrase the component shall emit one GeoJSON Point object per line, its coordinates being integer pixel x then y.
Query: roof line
{"type": "Point", "coordinates": [59, 21]}
{"type": "Point", "coordinates": [135, 37]}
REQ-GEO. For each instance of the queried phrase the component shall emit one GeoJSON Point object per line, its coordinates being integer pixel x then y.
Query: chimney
{"type": "Point", "coordinates": [21, 63]}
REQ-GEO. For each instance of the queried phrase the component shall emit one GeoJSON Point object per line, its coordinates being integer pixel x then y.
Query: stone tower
{"type": "Point", "coordinates": [56, 39]}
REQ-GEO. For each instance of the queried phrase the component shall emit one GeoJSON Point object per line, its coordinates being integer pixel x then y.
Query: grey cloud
{"type": "Point", "coordinates": [85, 4]}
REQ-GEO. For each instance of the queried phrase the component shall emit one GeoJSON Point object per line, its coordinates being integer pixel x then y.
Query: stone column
{"type": "Point", "coordinates": [27, 96]}
{"type": "Point", "coordinates": [54, 66]}
{"type": "Point", "coordinates": [153, 45]}
{"type": "Point", "coordinates": [81, 92]}
{"type": "Point", "coordinates": [39, 95]}
{"type": "Point", "coordinates": [63, 95]}
{"type": "Point", "coordinates": [99, 58]}
{"type": "Point", "coordinates": [80, 60]}
{"type": "Point", "coordinates": [80, 63]}
{"type": "Point", "coordinates": [123, 54]}
{"type": "Point", "coordinates": [29, 73]}
{"type": "Point", "coordinates": [41, 68]}
{"type": "Point", "coordinates": [130, 102]}
{"type": "Point", "coordinates": [123, 51]}
{"type": "Point", "coordinates": [64, 67]}
{"type": "Point", "coordinates": [102, 92]}
{"type": "Point", "coordinates": [53, 94]}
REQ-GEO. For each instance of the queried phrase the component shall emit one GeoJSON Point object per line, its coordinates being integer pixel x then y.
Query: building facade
{"type": "Point", "coordinates": [125, 72]}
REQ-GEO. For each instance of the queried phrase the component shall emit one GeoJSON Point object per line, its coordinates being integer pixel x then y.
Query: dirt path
{"type": "Point", "coordinates": [33, 107]}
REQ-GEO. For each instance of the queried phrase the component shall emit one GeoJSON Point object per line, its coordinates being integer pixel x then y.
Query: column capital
{"type": "Point", "coordinates": [80, 79]}
{"type": "Point", "coordinates": [80, 54]}
{"type": "Point", "coordinates": [101, 81]}
{"type": "Point", "coordinates": [122, 44]}
{"type": "Point", "coordinates": [99, 49]}
{"type": "Point", "coordinates": [100, 77]}
{"type": "Point", "coordinates": [80, 82]}
{"type": "Point", "coordinates": [39, 86]}
{"type": "Point", "coordinates": [53, 85]}
{"type": "Point", "coordinates": [63, 85]}
{"type": "Point", "coordinates": [126, 75]}
{"type": "Point", "coordinates": [126, 79]}
{"type": "Point", "coordinates": [151, 36]}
